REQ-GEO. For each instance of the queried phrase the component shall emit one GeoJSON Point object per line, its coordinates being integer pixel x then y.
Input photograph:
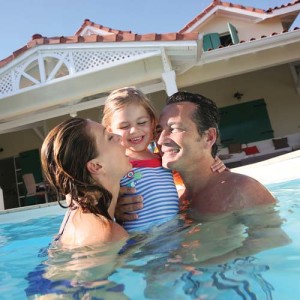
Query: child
{"type": "Point", "coordinates": [129, 113]}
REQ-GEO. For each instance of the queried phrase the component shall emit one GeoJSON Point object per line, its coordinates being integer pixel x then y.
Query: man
{"type": "Point", "coordinates": [188, 130]}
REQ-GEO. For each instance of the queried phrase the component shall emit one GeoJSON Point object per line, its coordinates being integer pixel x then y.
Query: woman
{"type": "Point", "coordinates": [81, 159]}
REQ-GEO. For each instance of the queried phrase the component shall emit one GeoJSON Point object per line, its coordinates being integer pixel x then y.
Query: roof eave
{"type": "Point", "coordinates": [251, 47]}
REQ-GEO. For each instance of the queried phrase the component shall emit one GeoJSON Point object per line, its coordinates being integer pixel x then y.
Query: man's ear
{"type": "Point", "coordinates": [211, 136]}
{"type": "Point", "coordinates": [93, 167]}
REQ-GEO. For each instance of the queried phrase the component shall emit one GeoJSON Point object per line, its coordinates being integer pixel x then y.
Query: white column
{"type": "Point", "coordinates": [169, 79]}
{"type": "Point", "coordinates": [1, 200]}
{"type": "Point", "coordinates": [169, 76]}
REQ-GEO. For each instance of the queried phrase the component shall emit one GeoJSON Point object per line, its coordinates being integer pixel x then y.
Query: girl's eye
{"type": "Point", "coordinates": [142, 122]}
{"type": "Point", "coordinates": [124, 127]}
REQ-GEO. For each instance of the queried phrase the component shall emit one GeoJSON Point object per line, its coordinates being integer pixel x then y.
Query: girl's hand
{"type": "Point", "coordinates": [218, 165]}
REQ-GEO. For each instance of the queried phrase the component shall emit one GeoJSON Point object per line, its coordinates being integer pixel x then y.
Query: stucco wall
{"type": "Point", "coordinates": [246, 29]}
{"type": "Point", "coordinates": [274, 85]}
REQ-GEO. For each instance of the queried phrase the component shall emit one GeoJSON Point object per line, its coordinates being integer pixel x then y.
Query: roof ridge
{"type": "Point", "coordinates": [87, 22]}
{"type": "Point", "coordinates": [216, 3]}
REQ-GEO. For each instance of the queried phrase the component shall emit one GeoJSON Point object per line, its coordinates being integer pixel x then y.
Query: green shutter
{"type": "Point", "coordinates": [30, 163]}
{"type": "Point", "coordinates": [233, 33]}
{"type": "Point", "coordinates": [211, 41]}
{"type": "Point", "coordinates": [245, 123]}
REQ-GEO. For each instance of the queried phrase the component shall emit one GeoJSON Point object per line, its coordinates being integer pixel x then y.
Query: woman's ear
{"type": "Point", "coordinates": [94, 167]}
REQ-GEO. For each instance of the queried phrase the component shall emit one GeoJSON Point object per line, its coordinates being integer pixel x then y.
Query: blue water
{"type": "Point", "coordinates": [254, 254]}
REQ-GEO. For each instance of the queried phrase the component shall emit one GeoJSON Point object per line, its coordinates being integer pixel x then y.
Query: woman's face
{"type": "Point", "coordinates": [111, 154]}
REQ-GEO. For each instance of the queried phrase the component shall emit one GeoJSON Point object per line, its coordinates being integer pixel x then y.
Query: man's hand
{"type": "Point", "coordinates": [127, 204]}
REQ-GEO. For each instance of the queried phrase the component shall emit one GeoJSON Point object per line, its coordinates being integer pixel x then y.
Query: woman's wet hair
{"type": "Point", "coordinates": [205, 116]}
{"type": "Point", "coordinates": [64, 155]}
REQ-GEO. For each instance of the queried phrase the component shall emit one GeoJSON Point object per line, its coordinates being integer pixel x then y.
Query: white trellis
{"type": "Point", "coordinates": [68, 62]}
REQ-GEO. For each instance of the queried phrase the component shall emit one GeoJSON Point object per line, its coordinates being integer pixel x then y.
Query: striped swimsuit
{"type": "Point", "coordinates": [156, 185]}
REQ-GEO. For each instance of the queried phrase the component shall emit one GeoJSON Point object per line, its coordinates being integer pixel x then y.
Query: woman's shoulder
{"type": "Point", "coordinates": [78, 230]}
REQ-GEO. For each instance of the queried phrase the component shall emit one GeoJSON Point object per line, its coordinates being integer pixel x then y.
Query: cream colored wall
{"type": "Point", "coordinates": [246, 29]}
{"type": "Point", "coordinates": [16, 142]}
{"type": "Point", "coordinates": [274, 85]}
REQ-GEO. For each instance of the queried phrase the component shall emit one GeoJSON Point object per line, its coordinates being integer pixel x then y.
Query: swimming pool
{"type": "Point", "coordinates": [249, 255]}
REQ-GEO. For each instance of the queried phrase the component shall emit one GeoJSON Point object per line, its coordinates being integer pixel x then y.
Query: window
{"type": "Point", "coordinates": [215, 40]}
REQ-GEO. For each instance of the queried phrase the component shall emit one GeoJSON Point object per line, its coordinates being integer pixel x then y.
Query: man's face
{"type": "Point", "coordinates": [180, 143]}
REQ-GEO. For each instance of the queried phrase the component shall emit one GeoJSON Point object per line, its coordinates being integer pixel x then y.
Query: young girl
{"type": "Point", "coordinates": [130, 114]}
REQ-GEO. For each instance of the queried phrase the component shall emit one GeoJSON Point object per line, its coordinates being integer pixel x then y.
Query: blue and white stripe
{"type": "Point", "coordinates": [160, 198]}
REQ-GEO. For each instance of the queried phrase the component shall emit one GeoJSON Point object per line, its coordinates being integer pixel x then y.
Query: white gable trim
{"type": "Point", "coordinates": [231, 12]}
{"type": "Point", "coordinates": [90, 30]}
{"type": "Point", "coordinates": [283, 11]}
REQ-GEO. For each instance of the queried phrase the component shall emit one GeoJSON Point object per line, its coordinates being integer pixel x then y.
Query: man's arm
{"type": "Point", "coordinates": [127, 204]}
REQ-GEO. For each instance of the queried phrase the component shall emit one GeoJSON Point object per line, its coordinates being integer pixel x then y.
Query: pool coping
{"type": "Point", "coordinates": [278, 169]}
{"type": "Point", "coordinates": [30, 207]}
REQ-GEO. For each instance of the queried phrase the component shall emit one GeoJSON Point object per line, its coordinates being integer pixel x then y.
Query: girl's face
{"type": "Point", "coordinates": [135, 127]}
{"type": "Point", "coordinates": [111, 154]}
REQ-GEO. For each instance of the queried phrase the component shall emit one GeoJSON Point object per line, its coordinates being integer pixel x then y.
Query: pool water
{"type": "Point", "coordinates": [254, 254]}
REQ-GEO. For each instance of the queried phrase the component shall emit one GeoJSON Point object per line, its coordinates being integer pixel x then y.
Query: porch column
{"type": "Point", "coordinates": [169, 79]}
{"type": "Point", "coordinates": [169, 76]}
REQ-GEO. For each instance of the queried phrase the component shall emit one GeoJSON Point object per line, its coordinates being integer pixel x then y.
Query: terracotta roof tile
{"type": "Point", "coordinates": [229, 4]}
{"type": "Point", "coordinates": [282, 6]}
{"type": "Point", "coordinates": [87, 22]}
{"type": "Point", "coordinates": [127, 36]}
{"type": "Point", "coordinates": [115, 36]}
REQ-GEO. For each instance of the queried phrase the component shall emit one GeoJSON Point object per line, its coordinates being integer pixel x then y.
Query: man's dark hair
{"type": "Point", "coordinates": [205, 116]}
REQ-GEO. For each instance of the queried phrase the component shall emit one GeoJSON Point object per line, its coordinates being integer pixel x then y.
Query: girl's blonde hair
{"type": "Point", "coordinates": [120, 98]}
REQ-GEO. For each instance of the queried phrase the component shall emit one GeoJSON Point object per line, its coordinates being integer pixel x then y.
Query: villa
{"type": "Point", "coordinates": [246, 59]}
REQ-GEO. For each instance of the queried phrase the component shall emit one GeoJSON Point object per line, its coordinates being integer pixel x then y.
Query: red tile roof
{"type": "Point", "coordinates": [229, 4]}
{"type": "Point", "coordinates": [87, 22]}
{"type": "Point", "coordinates": [116, 36]}
{"type": "Point", "coordinates": [127, 36]}
{"type": "Point", "coordinates": [282, 6]}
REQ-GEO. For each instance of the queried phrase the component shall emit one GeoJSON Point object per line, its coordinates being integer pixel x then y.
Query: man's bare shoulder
{"type": "Point", "coordinates": [248, 190]}
{"type": "Point", "coordinates": [231, 191]}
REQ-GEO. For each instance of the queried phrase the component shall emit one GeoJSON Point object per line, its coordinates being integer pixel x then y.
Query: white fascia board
{"type": "Point", "coordinates": [24, 122]}
{"type": "Point", "coordinates": [280, 40]}
{"type": "Point", "coordinates": [226, 11]}
{"type": "Point", "coordinates": [40, 116]}
{"type": "Point", "coordinates": [22, 127]}
{"type": "Point", "coordinates": [202, 20]}
{"type": "Point", "coordinates": [82, 73]}
{"type": "Point", "coordinates": [241, 13]}
{"type": "Point", "coordinates": [153, 45]}
{"type": "Point", "coordinates": [283, 11]}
